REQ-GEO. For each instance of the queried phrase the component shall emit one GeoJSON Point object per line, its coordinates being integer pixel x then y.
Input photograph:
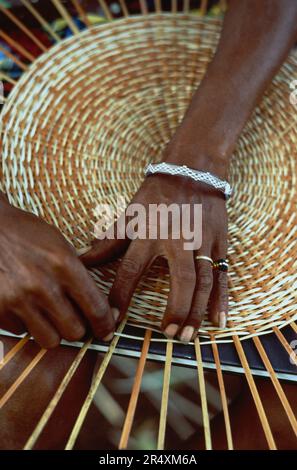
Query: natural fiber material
{"type": "Point", "coordinates": [86, 118]}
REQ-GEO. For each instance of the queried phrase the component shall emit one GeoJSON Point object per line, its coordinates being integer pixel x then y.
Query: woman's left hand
{"type": "Point", "coordinates": [193, 283]}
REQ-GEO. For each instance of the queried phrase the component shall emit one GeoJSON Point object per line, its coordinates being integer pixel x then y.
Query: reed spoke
{"type": "Point", "coordinates": [105, 9]}
{"type": "Point", "coordinates": [94, 386]}
{"type": "Point", "coordinates": [135, 392]}
{"type": "Point", "coordinates": [13, 58]}
{"type": "Point", "coordinates": [276, 383]}
{"type": "Point", "coordinates": [124, 8]}
{"type": "Point", "coordinates": [22, 377]}
{"type": "Point", "coordinates": [64, 13]}
{"type": "Point", "coordinates": [81, 12]}
{"type": "Point", "coordinates": [20, 25]}
{"type": "Point", "coordinates": [223, 393]}
{"type": "Point", "coordinates": [165, 396]}
{"type": "Point", "coordinates": [16, 348]}
{"type": "Point", "coordinates": [255, 393]}
{"type": "Point", "coordinates": [41, 20]}
{"type": "Point", "coordinates": [202, 389]}
{"type": "Point", "coordinates": [56, 398]}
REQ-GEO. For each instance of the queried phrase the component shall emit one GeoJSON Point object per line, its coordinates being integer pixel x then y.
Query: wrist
{"type": "Point", "coordinates": [196, 157]}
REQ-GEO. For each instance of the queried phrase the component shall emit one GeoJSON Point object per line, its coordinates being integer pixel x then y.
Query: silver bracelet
{"type": "Point", "coordinates": [196, 175]}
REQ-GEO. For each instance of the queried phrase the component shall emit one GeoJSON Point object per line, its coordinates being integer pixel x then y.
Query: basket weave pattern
{"type": "Point", "coordinates": [88, 116]}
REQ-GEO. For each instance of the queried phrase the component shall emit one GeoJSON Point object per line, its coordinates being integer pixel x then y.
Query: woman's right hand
{"type": "Point", "coordinates": [44, 288]}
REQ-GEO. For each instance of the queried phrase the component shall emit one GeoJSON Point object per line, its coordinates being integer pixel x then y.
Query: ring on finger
{"type": "Point", "coordinates": [207, 258]}
{"type": "Point", "coordinates": [221, 264]}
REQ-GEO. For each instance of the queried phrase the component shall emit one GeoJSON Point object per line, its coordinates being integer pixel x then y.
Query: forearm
{"type": "Point", "coordinates": [255, 40]}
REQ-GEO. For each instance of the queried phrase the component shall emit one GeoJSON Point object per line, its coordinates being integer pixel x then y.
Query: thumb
{"type": "Point", "coordinates": [108, 248]}
{"type": "Point", "coordinates": [102, 251]}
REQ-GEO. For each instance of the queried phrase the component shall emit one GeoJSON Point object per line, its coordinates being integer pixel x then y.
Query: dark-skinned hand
{"type": "Point", "coordinates": [44, 288]}
{"type": "Point", "coordinates": [193, 283]}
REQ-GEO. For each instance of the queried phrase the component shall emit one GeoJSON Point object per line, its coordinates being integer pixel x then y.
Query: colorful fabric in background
{"type": "Point", "coordinates": [59, 26]}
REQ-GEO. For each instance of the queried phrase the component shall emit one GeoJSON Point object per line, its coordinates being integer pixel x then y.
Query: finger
{"type": "Point", "coordinates": [218, 304]}
{"type": "Point", "coordinates": [39, 327]}
{"type": "Point", "coordinates": [10, 322]}
{"type": "Point", "coordinates": [204, 282]}
{"type": "Point", "coordinates": [82, 290]}
{"type": "Point", "coordinates": [63, 315]}
{"type": "Point", "coordinates": [107, 249]}
{"type": "Point", "coordinates": [182, 285]}
{"type": "Point", "coordinates": [218, 307]}
{"type": "Point", "coordinates": [103, 251]}
{"type": "Point", "coordinates": [134, 263]}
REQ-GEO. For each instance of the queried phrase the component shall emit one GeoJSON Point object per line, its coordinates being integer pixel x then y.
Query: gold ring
{"type": "Point", "coordinates": [204, 257]}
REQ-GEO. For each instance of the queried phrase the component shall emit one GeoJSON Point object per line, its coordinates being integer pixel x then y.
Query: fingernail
{"type": "Point", "coordinates": [186, 334]}
{"type": "Point", "coordinates": [171, 330]}
{"type": "Point", "coordinates": [222, 320]}
{"type": "Point", "coordinates": [108, 337]}
{"type": "Point", "coordinates": [115, 313]}
{"type": "Point", "coordinates": [83, 251]}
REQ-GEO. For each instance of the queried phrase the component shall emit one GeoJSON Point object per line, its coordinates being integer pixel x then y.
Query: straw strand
{"type": "Point", "coordinates": [41, 20]}
{"type": "Point", "coordinates": [255, 393]}
{"type": "Point", "coordinates": [135, 392]}
{"type": "Point", "coordinates": [202, 389]}
{"type": "Point", "coordinates": [21, 378]}
{"type": "Point", "coordinates": [57, 396]}
{"type": "Point", "coordinates": [95, 384]}
{"type": "Point", "coordinates": [16, 348]}
{"type": "Point", "coordinates": [276, 384]}
{"type": "Point", "coordinates": [67, 17]}
{"type": "Point", "coordinates": [223, 394]}
{"type": "Point", "coordinates": [20, 25]}
{"type": "Point", "coordinates": [165, 396]}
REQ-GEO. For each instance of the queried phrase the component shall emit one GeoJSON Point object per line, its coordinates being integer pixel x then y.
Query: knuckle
{"type": "Point", "coordinates": [61, 261]}
{"type": "Point", "coordinates": [100, 316]}
{"type": "Point", "coordinates": [51, 289]}
{"type": "Point", "coordinates": [129, 268]}
{"type": "Point", "coordinates": [69, 261]}
{"type": "Point", "coordinates": [55, 260]}
{"type": "Point", "coordinates": [30, 287]}
{"type": "Point", "coordinates": [98, 306]}
{"type": "Point", "coordinates": [11, 299]}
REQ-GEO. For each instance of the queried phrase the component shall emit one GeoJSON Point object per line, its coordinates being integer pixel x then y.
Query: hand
{"type": "Point", "coordinates": [193, 283]}
{"type": "Point", "coordinates": [44, 288]}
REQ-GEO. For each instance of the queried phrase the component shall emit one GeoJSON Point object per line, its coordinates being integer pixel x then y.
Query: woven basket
{"type": "Point", "coordinates": [78, 129]}
{"type": "Point", "coordinates": [91, 112]}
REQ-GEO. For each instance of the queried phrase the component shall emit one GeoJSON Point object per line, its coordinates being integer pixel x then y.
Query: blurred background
{"type": "Point", "coordinates": [95, 13]}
